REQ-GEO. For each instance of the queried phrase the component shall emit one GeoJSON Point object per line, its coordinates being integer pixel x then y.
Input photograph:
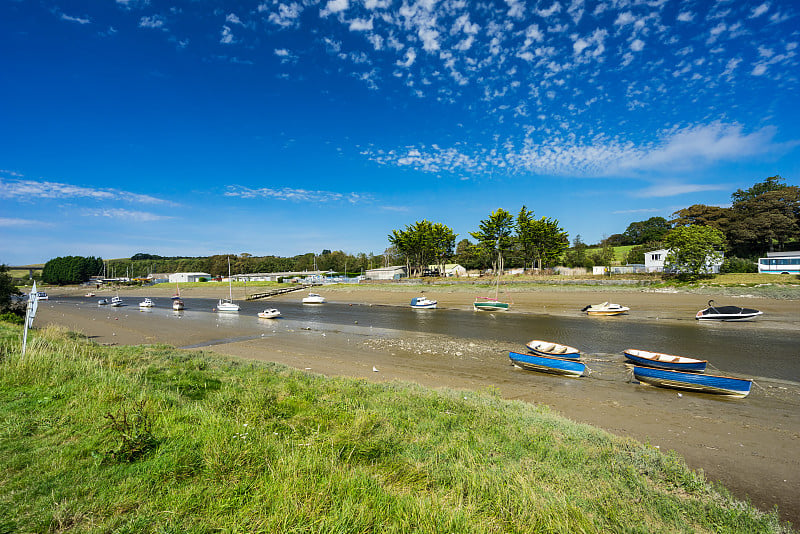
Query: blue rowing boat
{"type": "Point", "coordinates": [666, 378]}
{"type": "Point", "coordinates": [665, 361]}
{"type": "Point", "coordinates": [547, 364]}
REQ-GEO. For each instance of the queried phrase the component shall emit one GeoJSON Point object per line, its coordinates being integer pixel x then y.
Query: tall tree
{"type": "Point", "coordinates": [653, 229]}
{"type": "Point", "coordinates": [765, 221]}
{"type": "Point", "coordinates": [692, 250]}
{"type": "Point", "coordinates": [772, 183]}
{"type": "Point", "coordinates": [541, 241]}
{"type": "Point", "coordinates": [7, 289]}
{"type": "Point", "coordinates": [700, 214]}
{"type": "Point", "coordinates": [423, 243]}
{"type": "Point", "coordinates": [494, 235]}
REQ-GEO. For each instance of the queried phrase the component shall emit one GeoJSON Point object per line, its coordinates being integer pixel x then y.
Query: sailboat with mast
{"type": "Point", "coordinates": [177, 301]}
{"type": "Point", "coordinates": [492, 303]}
{"type": "Point", "coordinates": [227, 305]}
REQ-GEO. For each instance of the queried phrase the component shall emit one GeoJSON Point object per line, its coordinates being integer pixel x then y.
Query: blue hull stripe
{"type": "Point", "coordinates": [534, 362]}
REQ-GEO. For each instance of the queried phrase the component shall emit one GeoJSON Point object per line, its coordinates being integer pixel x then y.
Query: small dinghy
{"type": "Point", "coordinates": [423, 303]}
{"type": "Point", "coordinates": [606, 308]}
{"type": "Point", "coordinates": [665, 361]}
{"type": "Point", "coordinates": [726, 313]}
{"type": "Point", "coordinates": [553, 350]}
{"type": "Point", "coordinates": [146, 303]}
{"type": "Point", "coordinates": [546, 364]}
{"type": "Point", "coordinates": [178, 305]}
{"type": "Point", "coordinates": [269, 313]}
{"type": "Point", "coordinates": [117, 302]}
{"type": "Point", "coordinates": [102, 302]}
{"type": "Point", "coordinates": [665, 378]}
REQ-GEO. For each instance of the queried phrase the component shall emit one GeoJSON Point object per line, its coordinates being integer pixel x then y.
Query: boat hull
{"type": "Point", "coordinates": [546, 364]}
{"type": "Point", "coordinates": [269, 314]}
{"type": "Point", "coordinates": [423, 304]}
{"type": "Point", "coordinates": [490, 306]}
{"type": "Point", "coordinates": [665, 361]}
{"type": "Point", "coordinates": [607, 312]}
{"type": "Point", "coordinates": [719, 385]}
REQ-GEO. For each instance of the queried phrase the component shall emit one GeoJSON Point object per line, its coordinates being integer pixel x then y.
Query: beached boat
{"type": "Point", "coordinates": [546, 364]}
{"type": "Point", "coordinates": [606, 308]}
{"type": "Point", "coordinates": [313, 298]}
{"type": "Point", "coordinates": [41, 295]}
{"type": "Point", "coordinates": [552, 350]}
{"type": "Point", "coordinates": [102, 302]}
{"type": "Point", "coordinates": [146, 303]}
{"type": "Point", "coordinates": [726, 313]}
{"type": "Point", "coordinates": [423, 303]}
{"type": "Point", "coordinates": [89, 294]}
{"type": "Point", "coordinates": [269, 313]}
{"type": "Point", "coordinates": [665, 361]}
{"type": "Point", "coordinates": [227, 305]}
{"type": "Point", "coordinates": [667, 378]}
{"type": "Point", "coordinates": [116, 301]}
{"type": "Point", "coordinates": [178, 305]}
{"type": "Point", "coordinates": [491, 304]}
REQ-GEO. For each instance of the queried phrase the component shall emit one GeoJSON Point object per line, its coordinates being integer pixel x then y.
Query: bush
{"type": "Point", "coordinates": [738, 265]}
{"type": "Point", "coordinates": [12, 317]}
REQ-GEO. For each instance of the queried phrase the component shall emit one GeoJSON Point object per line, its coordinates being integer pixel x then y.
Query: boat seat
{"type": "Point", "coordinates": [559, 350]}
{"type": "Point", "coordinates": [546, 347]}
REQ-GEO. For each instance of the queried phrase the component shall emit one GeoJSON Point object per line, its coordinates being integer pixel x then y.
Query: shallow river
{"type": "Point", "coordinates": [746, 348]}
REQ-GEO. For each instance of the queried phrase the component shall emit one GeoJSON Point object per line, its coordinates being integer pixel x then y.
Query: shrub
{"type": "Point", "coordinates": [738, 265]}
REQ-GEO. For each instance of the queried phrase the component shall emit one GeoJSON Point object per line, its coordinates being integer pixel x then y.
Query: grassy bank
{"type": "Point", "coordinates": [153, 439]}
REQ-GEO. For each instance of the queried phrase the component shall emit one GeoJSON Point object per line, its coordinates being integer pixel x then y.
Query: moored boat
{"type": "Point", "coordinates": [665, 361]}
{"type": "Point", "coordinates": [547, 364]}
{"type": "Point", "coordinates": [178, 305]}
{"type": "Point", "coordinates": [102, 302]}
{"type": "Point", "coordinates": [116, 302]}
{"type": "Point", "coordinates": [228, 305]}
{"type": "Point", "coordinates": [41, 295]}
{"type": "Point", "coordinates": [314, 298]}
{"type": "Point", "coordinates": [553, 350]}
{"type": "Point", "coordinates": [269, 313]}
{"type": "Point", "coordinates": [146, 303]}
{"type": "Point", "coordinates": [704, 383]}
{"type": "Point", "coordinates": [606, 308]}
{"type": "Point", "coordinates": [726, 313]}
{"type": "Point", "coordinates": [489, 304]}
{"type": "Point", "coordinates": [423, 303]}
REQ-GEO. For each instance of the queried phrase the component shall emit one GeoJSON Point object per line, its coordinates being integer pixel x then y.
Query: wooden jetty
{"type": "Point", "coordinates": [279, 291]}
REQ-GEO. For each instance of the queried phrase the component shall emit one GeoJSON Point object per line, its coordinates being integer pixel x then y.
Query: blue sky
{"type": "Point", "coordinates": [284, 127]}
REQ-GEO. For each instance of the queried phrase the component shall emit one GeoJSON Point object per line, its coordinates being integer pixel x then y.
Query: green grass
{"type": "Point", "coordinates": [211, 444]}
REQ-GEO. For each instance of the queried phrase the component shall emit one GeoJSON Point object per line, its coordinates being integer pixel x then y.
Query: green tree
{"type": "Point", "coordinates": [541, 241]}
{"type": "Point", "coordinates": [604, 256]}
{"type": "Point", "coordinates": [772, 183]}
{"type": "Point", "coordinates": [702, 215]}
{"type": "Point", "coordinates": [494, 236]}
{"type": "Point", "coordinates": [7, 289]}
{"type": "Point", "coordinates": [576, 256]}
{"type": "Point", "coordinates": [423, 243]}
{"type": "Point", "coordinates": [470, 256]}
{"type": "Point", "coordinates": [635, 256]}
{"type": "Point", "coordinates": [765, 222]}
{"type": "Point", "coordinates": [653, 229]}
{"type": "Point", "coordinates": [692, 250]}
{"type": "Point", "coordinates": [71, 269]}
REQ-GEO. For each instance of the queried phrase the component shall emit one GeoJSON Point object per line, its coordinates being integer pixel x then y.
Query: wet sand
{"type": "Point", "coordinates": [751, 445]}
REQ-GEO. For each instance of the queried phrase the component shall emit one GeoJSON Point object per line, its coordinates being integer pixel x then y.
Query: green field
{"type": "Point", "coordinates": [154, 439]}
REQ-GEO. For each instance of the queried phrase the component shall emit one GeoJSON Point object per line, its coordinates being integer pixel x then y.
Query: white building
{"type": "Point", "coordinates": [654, 262]}
{"type": "Point", "coordinates": [450, 269]}
{"type": "Point", "coordinates": [188, 277]}
{"type": "Point", "coordinates": [386, 273]}
{"type": "Point", "coordinates": [780, 263]}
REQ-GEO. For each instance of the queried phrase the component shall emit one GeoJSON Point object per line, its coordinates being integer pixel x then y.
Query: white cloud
{"type": "Point", "coordinates": [685, 16]}
{"type": "Point", "coordinates": [623, 19]}
{"type": "Point", "coordinates": [296, 195]}
{"type": "Point", "coordinates": [555, 8]}
{"type": "Point", "coordinates": [361, 25]}
{"type": "Point", "coordinates": [123, 214]}
{"type": "Point", "coordinates": [79, 20]}
{"type": "Point", "coordinates": [760, 10]}
{"type": "Point", "coordinates": [28, 190]}
{"type": "Point", "coordinates": [637, 45]}
{"type": "Point", "coordinates": [226, 36]}
{"type": "Point", "coordinates": [671, 190]}
{"type": "Point", "coordinates": [335, 6]}
{"type": "Point", "coordinates": [155, 21]}
{"type": "Point", "coordinates": [287, 14]}
{"type": "Point", "coordinates": [759, 69]}
{"type": "Point", "coordinates": [233, 19]}
{"type": "Point", "coordinates": [10, 222]}
{"type": "Point", "coordinates": [429, 38]}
